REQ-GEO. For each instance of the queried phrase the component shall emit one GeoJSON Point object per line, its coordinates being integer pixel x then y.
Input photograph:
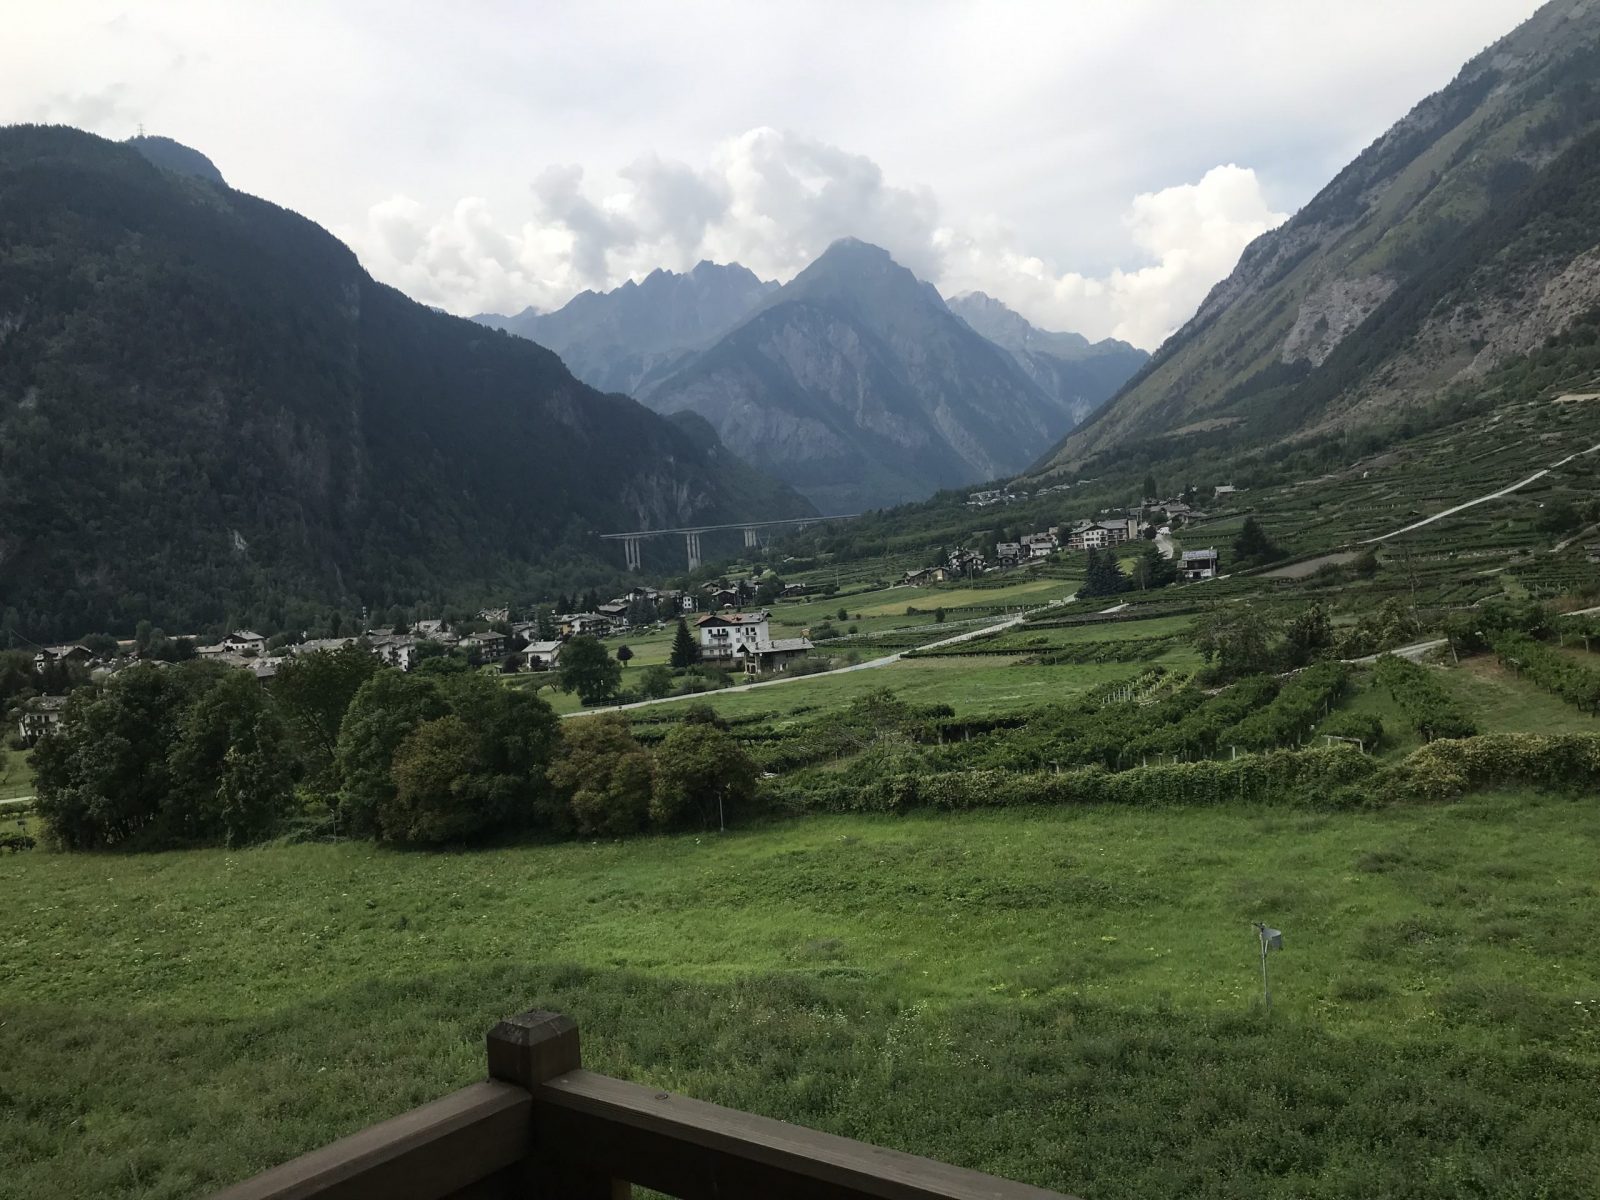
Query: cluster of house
{"type": "Point", "coordinates": [744, 639]}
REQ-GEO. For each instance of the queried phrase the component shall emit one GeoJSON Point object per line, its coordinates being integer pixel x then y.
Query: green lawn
{"type": "Point", "coordinates": [1065, 997]}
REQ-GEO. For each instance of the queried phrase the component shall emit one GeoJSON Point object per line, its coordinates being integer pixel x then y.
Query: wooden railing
{"type": "Point", "coordinates": [543, 1127]}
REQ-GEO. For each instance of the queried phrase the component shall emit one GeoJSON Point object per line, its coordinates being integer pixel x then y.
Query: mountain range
{"type": "Point", "coordinates": [616, 340]}
{"type": "Point", "coordinates": [209, 410]}
{"type": "Point", "coordinates": [855, 382]}
{"type": "Point", "coordinates": [1464, 237]}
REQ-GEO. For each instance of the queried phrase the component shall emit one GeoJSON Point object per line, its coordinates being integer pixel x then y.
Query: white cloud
{"type": "Point", "coordinates": [1191, 235]}
{"type": "Point", "coordinates": [774, 201]}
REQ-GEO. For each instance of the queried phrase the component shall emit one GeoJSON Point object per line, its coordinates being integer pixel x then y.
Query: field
{"type": "Point", "coordinates": [16, 775]}
{"type": "Point", "coordinates": [1066, 997]}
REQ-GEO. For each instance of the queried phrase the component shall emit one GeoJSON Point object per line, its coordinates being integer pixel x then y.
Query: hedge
{"type": "Point", "coordinates": [1338, 776]}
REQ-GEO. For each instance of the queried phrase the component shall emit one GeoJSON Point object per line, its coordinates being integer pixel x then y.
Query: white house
{"type": "Point", "coordinates": [731, 635]}
{"type": "Point", "coordinates": [541, 656]}
{"type": "Point", "coordinates": [242, 641]}
{"type": "Point", "coordinates": [39, 716]}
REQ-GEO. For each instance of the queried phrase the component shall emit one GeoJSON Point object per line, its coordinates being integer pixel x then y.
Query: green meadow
{"type": "Point", "coordinates": [1071, 998]}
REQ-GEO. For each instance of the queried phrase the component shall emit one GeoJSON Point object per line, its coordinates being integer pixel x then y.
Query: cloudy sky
{"type": "Point", "coordinates": [1097, 164]}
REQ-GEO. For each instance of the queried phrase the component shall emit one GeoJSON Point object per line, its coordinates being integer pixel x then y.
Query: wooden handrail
{"type": "Point", "coordinates": [543, 1127]}
{"type": "Point", "coordinates": [693, 1150]}
{"type": "Point", "coordinates": [437, 1150]}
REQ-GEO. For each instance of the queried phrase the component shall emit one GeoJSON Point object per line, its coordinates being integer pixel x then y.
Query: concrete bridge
{"type": "Point", "coordinates": [691, 537]}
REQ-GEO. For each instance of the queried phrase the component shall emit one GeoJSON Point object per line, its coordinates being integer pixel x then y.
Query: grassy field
{"type": "Point", "coordinates": [16, 774]}
{"type": "Point", "coordinates": [1065, 997]}
{"type": "Point", "coordinates": [972, 686]}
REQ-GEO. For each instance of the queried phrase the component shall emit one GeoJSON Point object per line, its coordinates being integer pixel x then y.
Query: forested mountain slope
{"type": "Point", "coordinates": [1464, 236]}
{"type": "Point", "coordinates": [208, 407]}
{"type": "Point", "coordinates": [858, 386]}
{"type": "Point", "coordinates": [616, 340]}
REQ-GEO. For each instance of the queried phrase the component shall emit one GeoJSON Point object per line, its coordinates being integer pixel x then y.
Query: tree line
{"type": "Point", "coordinates": [197, 754]}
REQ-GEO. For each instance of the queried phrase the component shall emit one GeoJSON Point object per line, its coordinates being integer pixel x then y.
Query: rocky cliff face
{"type": "Point", "coordinates": [857, 385]}
{"type": "Point", "coordinates": [615, 341]}
{"type": "Point", "coordinates": [1403, 274]}
{"type": "Point", "coordinates": [1077, 374]}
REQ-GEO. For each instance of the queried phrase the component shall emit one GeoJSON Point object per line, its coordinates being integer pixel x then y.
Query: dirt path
{"type": "Point", "coordinates": [1505, 491]}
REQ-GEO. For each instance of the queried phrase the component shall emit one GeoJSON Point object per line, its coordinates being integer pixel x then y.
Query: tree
{"type": "Point", "coordinates": [684, 649]}
{"type": "Point", "coordinates": [101, 645]}
{"type": "Point", "coordinates": [229, 767]}
{"type": "Point", "coordinates": [769, 589]}
{"type": "Point", "coordinates": [544, 625]}
{"type": "Point", "coordinates": [604, 775]}
{"type": "Point", "coordinates": [624, 655]}
{"type": "Point", "coordinates": [1307, 632]}
{"type": "Point", "coordinates": [382, 714]}
{"type": "Point", "coordinates": [844, 613]}
{"type": "Point", "coordinates": [1252, 546]}
{"type": "Point", "coordinates": [666, 608]}
{"type": "Point", "coordinates": [656, 682]}
{"type": "Point", "coordinates": [1558, 517]}
{"type": "Point", "coordinates": [162, 757]}
{"type": "Point", "coordinates": [1152, 569]}
{"type": "Point", "coordinates": [1150, 492]}
{"type": "Point", "coordinates": [700, 774]}
{"type": "Point", "coordinates": [1236, 640]}
{"type": "Point", "coordinates": [313, 691]}
{"type": "Point", "coordinates": [430, 772]}
{"type": "Point", "coordinates": [1103, 575]}
{"type": "Point", "coordinates": [587, 669]}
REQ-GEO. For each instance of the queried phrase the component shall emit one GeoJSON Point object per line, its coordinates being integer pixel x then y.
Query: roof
{"type": "Point", "coordinates": [1188, 554]}
{"type": "Point", "coordinates": [541, 647]}
{"type": "Point", "coordinates": [733, 618]}
{"type": "Point", "coordinates": [245, 635]}
{"type": "Point", "coordinates": [786, 644]}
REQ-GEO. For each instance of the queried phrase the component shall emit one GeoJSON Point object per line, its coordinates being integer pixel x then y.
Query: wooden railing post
{"type": "Point", "coordinates": [527, 1050]}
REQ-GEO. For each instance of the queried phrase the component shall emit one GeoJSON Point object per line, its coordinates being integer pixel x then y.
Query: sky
{"type": "Point", "coordinates": [1096, 164]}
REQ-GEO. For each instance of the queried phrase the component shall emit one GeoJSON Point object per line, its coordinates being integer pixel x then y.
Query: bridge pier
{"type": "Point", "coordinates": [691, 545]}
{"type": "Point", "coordinates": [751, 541]}
{"type": "Point", "coordinates": [630, 548]}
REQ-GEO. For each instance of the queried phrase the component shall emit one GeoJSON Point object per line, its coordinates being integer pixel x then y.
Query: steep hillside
{"type": "Point", "coordinates": [616, 340]}
{"type": "Point", "coordinates": [207, 407]}
{"type": "Point", "coordinates": [1078, 374]}
{"type": "Point", "coordinates": [857, 385]}
{"type": "Point", "coordinates": [1461, 237]}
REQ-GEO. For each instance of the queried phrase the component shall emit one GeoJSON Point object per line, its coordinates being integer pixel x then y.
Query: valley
{"type": "Point", "coordinates": [851, 694]}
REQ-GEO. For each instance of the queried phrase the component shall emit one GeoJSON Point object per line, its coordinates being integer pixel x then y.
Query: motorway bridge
{"type": "Point", "coordinates": [691, 537]}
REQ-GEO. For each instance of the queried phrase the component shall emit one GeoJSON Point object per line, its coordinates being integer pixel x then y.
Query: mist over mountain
{"type": "Point", "coordinates": [616, 340]}
{"type": "Point", "coordinates": [208, 409]}
{"type": "Point", "coordinates": [858, 386]}
{"type": "Point", "coordinates": [1462, 238]}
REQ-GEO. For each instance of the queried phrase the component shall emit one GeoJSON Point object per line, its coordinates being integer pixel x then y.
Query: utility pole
{"type": "Point", "coordinates": [1271, 939]}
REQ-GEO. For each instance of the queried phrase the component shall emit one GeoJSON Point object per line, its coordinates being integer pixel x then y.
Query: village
{"type": "Point", "coordinates": [729, 617]}
{"type": "Point", "coordinates": [726, 636]}
{"type": "Point", "coordinates": [1154, 521]}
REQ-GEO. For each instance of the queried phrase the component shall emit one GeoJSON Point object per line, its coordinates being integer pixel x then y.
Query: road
{"type": "Point", "coordinates": [869, 665]}
{"type": "Point", "coordinates": [1505, 491]}
{"type": "Point", "coordinates": [1413, 652]}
